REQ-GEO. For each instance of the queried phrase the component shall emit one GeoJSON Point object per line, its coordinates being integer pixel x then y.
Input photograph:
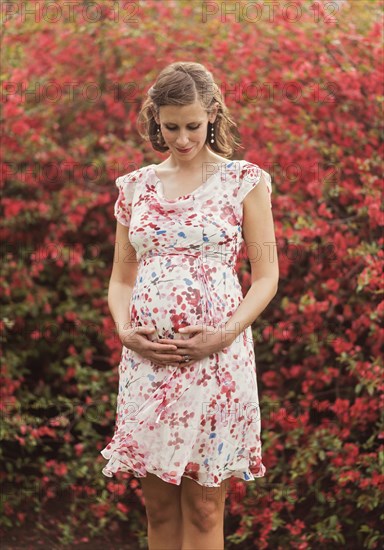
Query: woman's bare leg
{"type": "Point", "coordinates": [203, 515]}
{"type": "Point", "coordinates": [163, 509]}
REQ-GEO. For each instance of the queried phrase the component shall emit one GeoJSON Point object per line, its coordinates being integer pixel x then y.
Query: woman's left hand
{"type": "Point", "coordinates": [205, 340]}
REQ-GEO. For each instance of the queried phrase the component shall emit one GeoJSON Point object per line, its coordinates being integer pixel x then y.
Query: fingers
{"type": "Point", "coordinates": [161, 353]}
{"type": "Point", "coordinates": [144, 330]}
{"type": "Point", "coordinates": [174, 341]}
{"type": "Point", "coordinates": [165, 352]}
{"type": "Point", "coordinates": [166, 360]}
{"type": "Point", "coordinates": [197, 328]}
{"type": "Point", "coordinates": [177, 363]}
{"type": "Point", "coordinates": [189, 332]}
{"type": "Point", "coordinates": [162, 348]}
{"type": "Point", "coordinates": [176, 360]}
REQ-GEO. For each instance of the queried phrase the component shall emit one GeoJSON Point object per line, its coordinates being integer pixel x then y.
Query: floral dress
{"type": "Point", "coordinates": [201, 421]}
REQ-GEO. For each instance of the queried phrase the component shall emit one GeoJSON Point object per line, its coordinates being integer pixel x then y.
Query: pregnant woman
{"type": "Point", "coordinates": [188, 410]}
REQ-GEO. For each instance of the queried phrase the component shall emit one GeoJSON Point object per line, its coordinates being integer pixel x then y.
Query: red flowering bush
{"type": "Point", "coordinates": [305, 88]}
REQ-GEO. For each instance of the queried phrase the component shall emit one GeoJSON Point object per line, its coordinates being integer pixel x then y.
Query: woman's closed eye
{"type": "Point", "coordinates": [189, 128]}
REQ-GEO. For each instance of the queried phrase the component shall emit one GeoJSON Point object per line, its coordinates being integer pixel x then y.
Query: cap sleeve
{"type": "Point", "coordinates": [251, 175]}
{"type": "Point", "coordinates": [123, 204]}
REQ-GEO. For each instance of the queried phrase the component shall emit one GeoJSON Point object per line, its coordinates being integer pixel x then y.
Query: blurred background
{"type": "Point", "coordinates": [304, 82]}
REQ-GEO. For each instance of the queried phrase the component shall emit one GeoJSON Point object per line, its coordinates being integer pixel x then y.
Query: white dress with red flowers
{"type": "Point", "coordinates": [201, 421]}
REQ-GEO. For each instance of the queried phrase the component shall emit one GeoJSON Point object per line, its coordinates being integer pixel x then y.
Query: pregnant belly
{"type": "Point", "coordinates": [168, 295]}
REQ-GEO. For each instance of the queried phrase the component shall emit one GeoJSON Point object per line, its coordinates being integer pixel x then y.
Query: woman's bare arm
{"type": "Point", "coordinates": [260, 240]}
{"type": "Point", "coordinates": [122, 279]}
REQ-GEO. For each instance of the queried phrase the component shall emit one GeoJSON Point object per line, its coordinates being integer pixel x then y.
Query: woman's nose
{"type": "Point", "coordinates": [182, 139]}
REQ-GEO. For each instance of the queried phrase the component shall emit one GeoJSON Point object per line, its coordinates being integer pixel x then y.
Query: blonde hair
{"type": "Point", "coordinates": [182, 83]}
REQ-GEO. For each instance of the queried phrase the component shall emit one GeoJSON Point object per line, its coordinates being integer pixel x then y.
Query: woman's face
{"type": "Point", "coordinates": [184, 128]}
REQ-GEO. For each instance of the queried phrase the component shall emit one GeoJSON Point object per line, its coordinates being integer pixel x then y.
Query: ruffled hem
{"type": "Point", "coordinates": [117, 463]}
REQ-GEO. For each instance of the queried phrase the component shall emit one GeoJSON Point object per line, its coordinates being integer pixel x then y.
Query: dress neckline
{"type": "Point", "coordinates": [160, 186]}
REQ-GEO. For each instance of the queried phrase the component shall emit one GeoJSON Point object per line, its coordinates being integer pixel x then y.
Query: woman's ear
{"type": "Point", "coordinates": [213, 114]}
{"type": "Point", "coordinates": [154, 114]}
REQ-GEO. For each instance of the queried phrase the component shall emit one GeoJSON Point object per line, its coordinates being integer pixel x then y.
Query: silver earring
{"type": "Point", "coordinates": [158, 135]}
{"type": "Point", "coordinates": [212, 134]}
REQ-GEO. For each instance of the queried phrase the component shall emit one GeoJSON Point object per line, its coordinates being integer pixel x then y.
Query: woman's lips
{"type": "Point", "coordinates": [184, 150]}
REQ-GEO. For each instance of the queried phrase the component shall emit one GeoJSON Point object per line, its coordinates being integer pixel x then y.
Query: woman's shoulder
{"type": "Point", "coordinates": [135, 175]}
{"type": "Point", "coordinates": [241, 164]}
{"type": "Point", "coordinates": [239, 169]}
{"type": "Point", "coordinates": [247, 175]}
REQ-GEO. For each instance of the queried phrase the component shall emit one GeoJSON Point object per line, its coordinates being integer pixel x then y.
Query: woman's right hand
{"type": "Point", "coordinates": [135, 338]}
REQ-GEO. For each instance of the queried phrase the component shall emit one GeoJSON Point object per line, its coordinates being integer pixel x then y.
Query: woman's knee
{"type": "Point", "coordinates": [160, 513]}
{"type": "Point", "coordinates": [201, 506]}
{"type": "Point", "coordinates": [206, 516]}
{"type": "Point", "coordinates": [162, 500]}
